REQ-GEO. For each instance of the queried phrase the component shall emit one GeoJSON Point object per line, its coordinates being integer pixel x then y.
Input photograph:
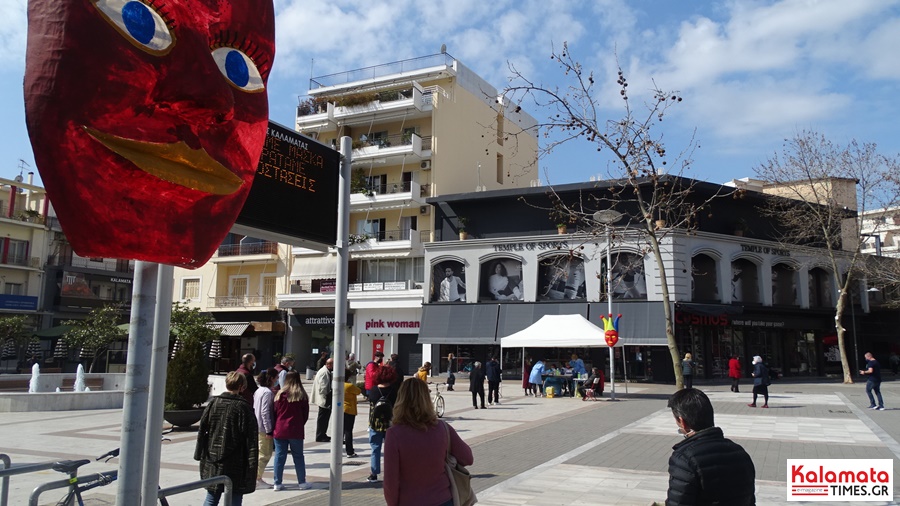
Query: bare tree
{"type": "Point", "coordinates": [830, 189]}
{"type": "Point", "coordinates": [646, 186]}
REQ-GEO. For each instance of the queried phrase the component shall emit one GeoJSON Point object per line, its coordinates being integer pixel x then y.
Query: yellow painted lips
{"type": "Point", "coordinates": [174, 162]}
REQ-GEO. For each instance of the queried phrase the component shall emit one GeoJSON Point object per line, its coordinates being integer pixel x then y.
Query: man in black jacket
{"type": "Point", "coordinates": [492, 370]}
{"type": "Point", "coordinates": [706, 468]}
{"type": "Point", "coordinates": [476, 385]}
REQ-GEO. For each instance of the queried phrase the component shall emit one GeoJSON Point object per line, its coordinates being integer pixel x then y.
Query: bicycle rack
{"type": "Point", "coordinates": [8, 471]}
{"type": "Point", "coordinates": [194, 485]}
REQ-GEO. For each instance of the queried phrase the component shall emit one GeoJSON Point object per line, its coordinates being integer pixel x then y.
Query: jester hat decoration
{"type": "Point", "coordinates": [612, 329]}
{"type": "Point", "coordinates": [147, 119]}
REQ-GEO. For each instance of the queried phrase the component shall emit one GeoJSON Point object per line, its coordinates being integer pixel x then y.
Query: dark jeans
{"type": "Point", "coordinates": [735, 384]}
{"type": "Point", "coordinates": [874, 385]}
{"type": "Point", "coordinates": [322, 423]}
{"type": "Point", "coordinates": [348, 433]}
{"type": "Point", "coordinates": [493, 391]}
{"type": "Point", "coordinates": [688, 381]}
{"type": "Point", "coordinates": [212, 499]}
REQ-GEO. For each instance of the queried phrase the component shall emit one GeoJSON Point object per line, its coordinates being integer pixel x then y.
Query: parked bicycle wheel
{"type": "Point", "coordinates": [439, 407]}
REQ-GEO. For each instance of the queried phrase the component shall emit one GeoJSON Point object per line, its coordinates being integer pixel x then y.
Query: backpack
{"type": "Point", "coordinates": [380, 415]}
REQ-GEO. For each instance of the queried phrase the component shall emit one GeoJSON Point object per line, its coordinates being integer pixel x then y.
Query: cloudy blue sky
{"type": "Point", "coordinates": [751, 72]}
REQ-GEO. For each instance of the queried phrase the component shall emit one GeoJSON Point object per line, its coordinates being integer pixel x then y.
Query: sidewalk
{"type": "Point", "coordinates": [528, 451]}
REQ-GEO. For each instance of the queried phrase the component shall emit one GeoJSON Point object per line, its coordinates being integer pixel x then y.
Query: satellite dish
{"type": "Point", "coordinates": [19, 178]}
{"type": "Point", "coordinates": [443, 48]}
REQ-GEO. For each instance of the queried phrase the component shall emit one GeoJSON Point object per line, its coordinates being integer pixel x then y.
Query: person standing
{"type": "Point", "coordinates": [395, 363]}
{"type": "Point", "coordinates": [451, 366]}
{"type": "Point", "coordinates": [423, 372]}
{"type": "Point", "coordinates": [687, 370]}
{"type": "Point", "coordinates": [264, 409]}
{"type": "Point", "coordinates": [476, 385]}
{"type": "Point", "coordinates": [415, 453]}
{"type": "Point", "coordinates": [535, 379]}
{"type": "Point", "coordinates": [372, 370]}
{"type": "Point", "coordinates": [706, 468]}
{"type": "Point", "coordinates": [577, 365]}
{"type": "Point", "coordinates": [760, 381]}
{"type": "Point", "coordinates": [286, 365]}
{"type": "Point", "coordinates": [351, 392]}
{"type": "Point", "coordinates": [526, 373]}
{"type": "Point", "coordinates": [493, 373]}
{"type": "Point", "coordinates": [321, 397]}
{"type": "Point", "coordinates": [734, 372]}
{"type": "Point", "coordinates": [248, 364]}
{"type": "Point", "coordinates": [291, 415]}
{"type": "Point", "coordinates": [873, 382]}
{"type": "Point", "coordinates": [382, 397]}
{"type": "Point", "coordinates": [227, 442]}
{"type": "Point", "coordinates": [322, 358]}
{"type": "Point", "coordinates": [450, 287]}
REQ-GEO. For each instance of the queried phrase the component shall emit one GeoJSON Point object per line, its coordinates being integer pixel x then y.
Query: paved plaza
{"type": "Point", "coordinates": [528, 451]}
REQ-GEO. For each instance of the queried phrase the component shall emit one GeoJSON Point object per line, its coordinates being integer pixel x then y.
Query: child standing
{"type": "Point", "coordinates": [351, 392]}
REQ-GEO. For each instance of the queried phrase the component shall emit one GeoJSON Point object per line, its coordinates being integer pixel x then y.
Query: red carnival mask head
{"type": "Point", "coordinates": [147, 119]}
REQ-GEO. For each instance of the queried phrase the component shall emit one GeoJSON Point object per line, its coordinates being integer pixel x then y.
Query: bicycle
{"type": "Point", "coordinates": [438, 400]}
{"type": "Point", "coordinates": [78, 485]}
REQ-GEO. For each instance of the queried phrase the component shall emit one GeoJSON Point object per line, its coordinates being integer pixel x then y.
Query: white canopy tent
{"type": "Point", "coordinates": [561, 331]}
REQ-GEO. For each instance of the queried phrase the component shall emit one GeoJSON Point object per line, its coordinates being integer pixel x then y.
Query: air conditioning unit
{"type": "Point", "coordinates": [425, 165]}
{"type": "Point", "coordinates": [424, 209]}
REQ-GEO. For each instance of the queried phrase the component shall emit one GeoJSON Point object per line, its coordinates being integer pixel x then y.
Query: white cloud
{"type": "Point", "coordinates": [13, 28]}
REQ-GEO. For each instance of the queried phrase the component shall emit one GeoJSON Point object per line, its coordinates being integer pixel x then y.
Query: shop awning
{"type": "Point", "coordinates": [516, 317]}
{"type": "Point", "coordinates": [315, 267]}
{"type": "Point", "coordinates": [230, 329]}
{"type": "Point", "coordinates": [643, 323]}
{"type": "Point", "coordinates": [57, 331]}
{"type": "Point", "coordinates": [456, 323]}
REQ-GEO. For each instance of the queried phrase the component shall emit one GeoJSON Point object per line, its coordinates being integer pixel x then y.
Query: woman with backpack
{"type": "Point", "coordinates": [415, 454]}
{"type": "Point", "coordinates": [382, 397]}
{"type": "Point", "coordinates": [291, 414]}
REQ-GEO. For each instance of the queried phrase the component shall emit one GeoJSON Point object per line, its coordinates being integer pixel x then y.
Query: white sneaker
{"type": "Point", "coordinates": [879, 408]}
{"type": "Point", "coordinates": [304, 486]}
{"type": "Point", "coordinates": [277, 487]}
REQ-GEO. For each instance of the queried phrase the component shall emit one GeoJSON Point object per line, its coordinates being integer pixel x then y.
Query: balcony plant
{"type": "Point", "coordinates": [187, 384]}
{"type": "Point", "coordinates": [463, 223]}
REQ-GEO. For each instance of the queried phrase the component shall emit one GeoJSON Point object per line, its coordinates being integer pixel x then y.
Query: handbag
{"type": "Point", "coordinates": [460, 479]}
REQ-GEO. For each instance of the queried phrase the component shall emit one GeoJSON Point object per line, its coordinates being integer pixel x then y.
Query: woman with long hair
{"type": "Point", "coordinates": [291, 414]}
{"type": "Point", "coordinates": [415, 451]}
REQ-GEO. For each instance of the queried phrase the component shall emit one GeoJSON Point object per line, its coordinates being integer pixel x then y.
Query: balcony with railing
{"type": "Point", "coordinates": [383, 241]}
{"type": "Point", "coordinates": [442, 62]}
{"type": "Point", "coordinates": [253, 251]}
{"type": "Point", "coordinates": [103, 264]}
{"type": "Point", "coordinates": [266, 302]}
{"type": "Point", "coordinates": [387, 196]}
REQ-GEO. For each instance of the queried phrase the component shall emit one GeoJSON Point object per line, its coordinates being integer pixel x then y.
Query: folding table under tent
{"type": "Point", "coordinates": [557, 331]}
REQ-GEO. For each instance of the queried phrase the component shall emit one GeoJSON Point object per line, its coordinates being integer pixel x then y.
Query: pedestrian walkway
{"type": "Point", "coordinates": [528, 451]}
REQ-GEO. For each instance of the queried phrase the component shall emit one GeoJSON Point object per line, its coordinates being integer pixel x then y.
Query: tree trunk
{"type": "Point", "coordinates": [667, 310]}
{"type": "Point", "coordinates": [838, 313]}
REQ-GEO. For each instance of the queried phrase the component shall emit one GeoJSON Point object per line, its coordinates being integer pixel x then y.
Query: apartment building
{"type": "Point", "coordinates": [238, 287]}
{"type": "Point", "coordinates": [420, 128]}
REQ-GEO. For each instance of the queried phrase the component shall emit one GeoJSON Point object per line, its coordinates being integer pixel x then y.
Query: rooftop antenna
{"type": "Point", "coordinates": [22, 166]}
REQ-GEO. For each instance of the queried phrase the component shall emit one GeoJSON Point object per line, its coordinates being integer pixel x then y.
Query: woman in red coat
{"type": "Point", "coordinates": [734, 372]}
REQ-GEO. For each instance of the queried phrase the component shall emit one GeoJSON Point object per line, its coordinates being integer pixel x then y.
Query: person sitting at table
{"type": "Point", "coordinates": [593, 382]}
{"type": "Point", "coordinates": [554, 380]}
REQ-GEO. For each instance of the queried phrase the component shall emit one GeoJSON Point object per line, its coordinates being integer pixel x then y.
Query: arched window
{"type": "Point", "coordinates": [561, 277]}
{"type": "Point", "coordinates": [744, 281]}
{"type": "Point", "coordinates": [448, 282]}
{"type": "Point", "coordinates": [820, 288]}
{"type": "Point", "coordinates": [704, 281]}
{"type": "Point", "coordinates": [784, 285]}
{"type": "Point", "coordinates": [501, 279]}
{"type": "Point", "coordinates": [628, 281]}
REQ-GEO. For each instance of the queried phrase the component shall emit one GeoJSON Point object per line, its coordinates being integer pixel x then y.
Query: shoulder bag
{"type": "Point", "coordinates": [460, 479]}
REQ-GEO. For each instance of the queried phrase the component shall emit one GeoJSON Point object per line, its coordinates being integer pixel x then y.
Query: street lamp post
{"type": "Point", "coordinates": [607, 217]}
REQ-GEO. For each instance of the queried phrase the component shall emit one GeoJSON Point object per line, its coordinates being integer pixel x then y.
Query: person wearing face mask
{"type": "Point", "coordinates": [248, 364]}
{"type": "Point", "coordinates": [706, 468]}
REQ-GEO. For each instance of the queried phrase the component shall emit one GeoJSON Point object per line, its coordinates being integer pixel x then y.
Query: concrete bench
{"type": "Point", "coordinates": [16, 385]}
{"type": "Point", "coordinates": [68, 384]}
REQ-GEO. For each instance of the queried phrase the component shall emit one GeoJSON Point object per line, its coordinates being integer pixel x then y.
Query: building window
{"type": "Point", "coordinates": [18, 252]}
{"type": "Point", "coordinates": [190, 288]}
{"type": "Point", "coordinates": [784, 285]}
{"type": "Point", "coordinates": [237, 286]}
{"type": "Point", "coordinates": [13, 288]}
{"type": "Point", "coordinates": [704, 282]}
{"type": "Point", "coordinates": [744, 281]}
{"type": "Point", "coordinates": [501, 279]}
{"type": "Point", "coordinates": [561, 277]}
{"type": "Point", "coordinates": [499, 168]}
{"type": "Point", "coordinates": [819, 288]}
{"type": "Point", "coordinates": [268, 289]}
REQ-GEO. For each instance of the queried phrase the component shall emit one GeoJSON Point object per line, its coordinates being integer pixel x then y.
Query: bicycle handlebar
{"type": "Point", "coordinates": [109, 455]}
